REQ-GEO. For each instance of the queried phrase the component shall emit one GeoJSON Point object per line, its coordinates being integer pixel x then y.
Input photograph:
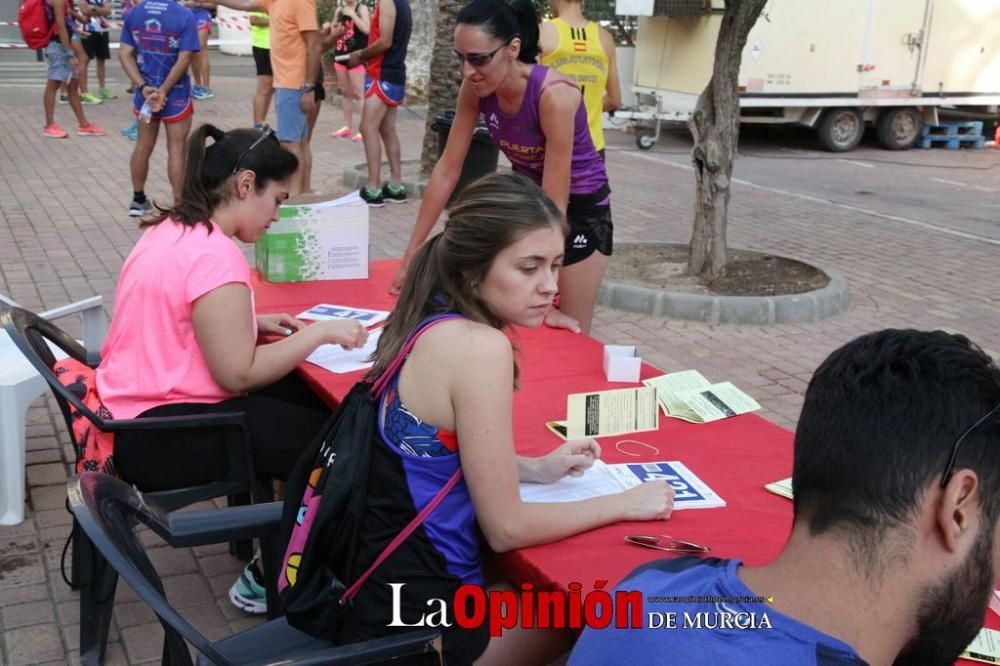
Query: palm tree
{"type": "Point", "coordinates": [445, 77]}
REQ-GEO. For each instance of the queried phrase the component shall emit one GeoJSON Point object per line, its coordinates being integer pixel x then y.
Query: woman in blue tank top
{"type": "Point", "coordinates": [536, 116]}
{"type": "Point", "coordinates": [496, 263]}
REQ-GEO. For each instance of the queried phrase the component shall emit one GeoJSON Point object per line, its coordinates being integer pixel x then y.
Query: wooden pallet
{"type": "Point", "coordinates": [953, 136]}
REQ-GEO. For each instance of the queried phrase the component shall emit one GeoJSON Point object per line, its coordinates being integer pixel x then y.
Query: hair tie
{"type": "Point", "coordinates": [634, 441]}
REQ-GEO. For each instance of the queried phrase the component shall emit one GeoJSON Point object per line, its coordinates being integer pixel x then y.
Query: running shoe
{"type": "Point", "coordinates": [106, 93]}
{"type": "Point", "coordinates": [248, 593]}
{"type": "Point", "coordinates": [261, 127]}
{"type": "Point", "coordinates": [131, 129]}
{"type": "Point", "coordinates": [87, 98]}
{"type": "Point", "coordinates": [139, 208]}
{"type": "Point", "coordinates": [374, 198]}
{"type": "Point", "coordinates": [201, 92]}
{"type": "Point", "coordinates": [394, 193]}
{"type": "Point", "coordinates": [53, 131]}
{"type": "Point", "coordinates": [357, 138]}
{"type": "Point", "coordinates": [91, 129]}
{"type": "Point", "coordinates": [342, 133]}
{"type": "Point", "coordinates": [63, 99]}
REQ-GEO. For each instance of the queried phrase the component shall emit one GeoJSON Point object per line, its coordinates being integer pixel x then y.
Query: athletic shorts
{"type": "Point", "coordinates": [98, 46]}
{"type": "Point", "coordinates": [262, 59]}
{"type": "Point", "coordinates": [202, 19]}
{"type": "Point", "coordinates": [391, 94]}
{"type": "Point", "coordinates": [178, 107]}
{"type": "Point", "coordinates": [590, 229]}
{"type": "Point", "coordinates": [293, 125]}
{"type": "Point", "coordinates": [341, 67]}
{"type": "Point", "coordinates": [58, 62]}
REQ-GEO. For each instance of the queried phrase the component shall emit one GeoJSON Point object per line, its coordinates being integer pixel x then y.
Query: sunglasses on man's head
{"type": "Point", "coordinates": [480, 59]}
{"type": "Point", "coordinates": [668, 543]}
{"type": "Point", "coordinates": [269, 132]}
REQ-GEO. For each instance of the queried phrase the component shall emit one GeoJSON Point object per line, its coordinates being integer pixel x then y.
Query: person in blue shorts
{"type": "Point", "coordinates": [157, 43]}
{"type": "Point", "coordinates": [894, 550]}
{"type": "Point", "coordinates": [200, 69]}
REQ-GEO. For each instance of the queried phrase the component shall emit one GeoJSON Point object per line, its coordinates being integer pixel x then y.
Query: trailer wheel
{"type": "Point", "coordinates": [840, 130]}
{"type": "Point", "coordinates": [645, 140]}
{"type": "Point", "coordinates": [899, 127]}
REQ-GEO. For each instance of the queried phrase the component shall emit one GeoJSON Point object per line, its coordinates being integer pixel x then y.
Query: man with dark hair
{"type": "Point", "coordinates": [893, 551]}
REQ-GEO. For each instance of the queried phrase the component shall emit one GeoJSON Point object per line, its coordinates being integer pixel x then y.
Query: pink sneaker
{"type": "Point", "coordinates": [357, 137]}
{"type": "Point", "coordinates": [342, 133]}
{"type": "Point", "coordinates": [53, 131]}
{"type": "Point", "coordinates": [90, 130]}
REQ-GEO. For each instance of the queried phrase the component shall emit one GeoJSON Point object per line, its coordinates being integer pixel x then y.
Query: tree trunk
{"type": "Point", "coordinates": [445, 77]}
{"type": "Point", "coordinates": [715, 126]}
{"type": "Point", "coordinates": [418, 55]}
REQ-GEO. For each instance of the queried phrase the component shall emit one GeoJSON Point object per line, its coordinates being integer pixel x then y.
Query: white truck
{"type": "Point", "coordinates": [835, 66]}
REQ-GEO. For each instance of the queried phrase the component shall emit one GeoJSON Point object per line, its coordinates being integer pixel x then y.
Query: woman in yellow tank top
{"type": "Point", "coordinates": [585, 52]}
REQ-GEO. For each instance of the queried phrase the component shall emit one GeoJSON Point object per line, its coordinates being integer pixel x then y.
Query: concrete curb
{"type": "Point", "coordinates": [811, 306]}
{"type": "Point", "coordinates": [356, 176]}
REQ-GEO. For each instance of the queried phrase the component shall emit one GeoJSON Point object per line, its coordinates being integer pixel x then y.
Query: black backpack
{"type": "Point", "coordinates": [325, 507]}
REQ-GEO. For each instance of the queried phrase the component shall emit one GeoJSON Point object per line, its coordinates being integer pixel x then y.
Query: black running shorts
{"type": "Point", "coordinates": [590, 229]}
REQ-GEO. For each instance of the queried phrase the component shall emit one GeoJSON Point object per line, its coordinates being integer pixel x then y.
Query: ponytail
{"type": "Point", "coordinates": [527, 23]}
{"type": "Point", "coordinates": [208, 169]}
{"type": "Point", "coordinates": [505, 21]}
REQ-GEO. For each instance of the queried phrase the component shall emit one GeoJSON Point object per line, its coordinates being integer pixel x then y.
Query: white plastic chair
{"type": "Point", "coordinates": [20, 385]}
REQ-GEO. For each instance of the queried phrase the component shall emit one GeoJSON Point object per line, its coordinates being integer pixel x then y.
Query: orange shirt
{"type": "Point", "coordinates": [289, 19]}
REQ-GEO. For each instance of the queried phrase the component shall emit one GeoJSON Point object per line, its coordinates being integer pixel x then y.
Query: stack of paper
{"type": "Point", "coordinates": [689, 396]}
{"type": "Point", "coordinates": [690, 492]}
{"type": "Point", "coordinates": [325, 311]}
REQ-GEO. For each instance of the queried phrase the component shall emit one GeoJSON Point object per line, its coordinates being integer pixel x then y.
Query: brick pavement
{"type": "Point", "coordinates": [64, 233]}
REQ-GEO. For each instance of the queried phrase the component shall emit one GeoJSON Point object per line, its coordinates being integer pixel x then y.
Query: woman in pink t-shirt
{"type": "Point", "coordinates": [183, 339]}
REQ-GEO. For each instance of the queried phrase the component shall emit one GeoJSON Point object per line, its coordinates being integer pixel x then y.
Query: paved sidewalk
{"type": "Point", "coordinates": [64, 233]}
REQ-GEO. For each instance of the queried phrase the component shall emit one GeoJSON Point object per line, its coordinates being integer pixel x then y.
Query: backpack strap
{"type": "Point", "coordinates": [383, 381]}
{"type": "Point", "coordinates": [352, 591]}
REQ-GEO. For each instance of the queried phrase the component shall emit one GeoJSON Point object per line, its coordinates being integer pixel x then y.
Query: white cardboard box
{"type": "Point", "coordinates": [622, 363]}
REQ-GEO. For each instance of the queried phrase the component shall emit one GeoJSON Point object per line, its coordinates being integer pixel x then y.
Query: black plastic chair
{"type": "Point", "coordinates": [33, 335]}
{"type": "Point", "coordinates": [107, 509]}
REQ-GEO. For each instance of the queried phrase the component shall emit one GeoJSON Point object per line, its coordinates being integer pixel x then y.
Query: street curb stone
{"type": "Point", "coordinates": [812, 306]}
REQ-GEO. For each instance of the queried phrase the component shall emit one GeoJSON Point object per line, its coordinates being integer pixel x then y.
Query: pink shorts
{"type": "Point", "coordinates": [341, 67]}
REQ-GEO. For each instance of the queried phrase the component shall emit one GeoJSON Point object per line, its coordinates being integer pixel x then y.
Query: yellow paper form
{"type": "Point", "coordinates": [985, 647]}
{"type": "Point", "coordinates": [783, 488]}
{"type": "Point", "coordinates": [689, 396]}
{"type": "Point", "coordinates": [607, 413]}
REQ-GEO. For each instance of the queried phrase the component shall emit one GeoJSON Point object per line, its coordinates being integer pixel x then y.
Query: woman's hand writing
{"type": "Point", "coordinates": [652, 500]}
{"type": "Point", "coordinates": [573, 458]}
{"type": "Point", "coordinates": [347, 333]}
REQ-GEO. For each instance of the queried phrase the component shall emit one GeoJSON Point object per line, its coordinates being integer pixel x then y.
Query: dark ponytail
{"type": "Point", "coordinates": [208, 168]}
{"type": "Point", "coordinates": [505, 21]}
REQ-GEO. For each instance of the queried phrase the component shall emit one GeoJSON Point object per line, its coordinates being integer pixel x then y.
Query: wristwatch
{"type": "Point", "coordinates": [307, 87]}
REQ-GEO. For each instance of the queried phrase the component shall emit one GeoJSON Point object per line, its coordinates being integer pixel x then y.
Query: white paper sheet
{"type": "Point", "coordinates": [339, 360]}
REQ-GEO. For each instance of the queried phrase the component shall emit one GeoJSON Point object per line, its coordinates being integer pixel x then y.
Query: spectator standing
{"type": "Point", "coordinates": [356, 20]}
{"type": "Point", "coordinates": [200, 69]}
{"type": "Point", "coordinates": [585, 52]}
{"type": "Point", "coordinates": [296, 48]}
{"type": "Point", "coordinates": [260, 40]}
{"type": "Point", "coordinates": [63, 68]}
{"type": "Point", "coordinates": [97, 48]}
{"type": "Point", "coordinates": [157, 42]}
{"type": "Point", "coordinates": [385, 89]}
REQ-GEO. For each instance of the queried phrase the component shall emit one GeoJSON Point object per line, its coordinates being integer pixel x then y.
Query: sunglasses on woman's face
{"type": "Point", "coordinates": [480, 59]}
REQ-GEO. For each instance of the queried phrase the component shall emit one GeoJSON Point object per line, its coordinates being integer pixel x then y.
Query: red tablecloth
{"type": "Point", "coordinates": [735, 457]}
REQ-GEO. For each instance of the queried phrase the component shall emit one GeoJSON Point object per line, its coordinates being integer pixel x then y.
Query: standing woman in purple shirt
{"type": "Point", "coordinates": [536, 116]}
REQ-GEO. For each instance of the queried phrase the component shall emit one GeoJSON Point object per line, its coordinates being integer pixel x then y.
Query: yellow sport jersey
{"type": "Point", "coordinates": [260, 36]}
{"type": "Point", "coordinates": [580, 56]}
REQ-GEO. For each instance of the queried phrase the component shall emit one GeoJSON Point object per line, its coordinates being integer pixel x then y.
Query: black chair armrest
{"type": "Point", "coordinates": [188, 421]}
{"type": "Point", "coordinates": [183, 529]}
{"type": "Point", "coordinates": [371, 651]}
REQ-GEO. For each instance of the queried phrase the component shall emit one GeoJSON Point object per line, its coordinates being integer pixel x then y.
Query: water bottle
{"type": "Point", "coordinates": [146, 112]}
